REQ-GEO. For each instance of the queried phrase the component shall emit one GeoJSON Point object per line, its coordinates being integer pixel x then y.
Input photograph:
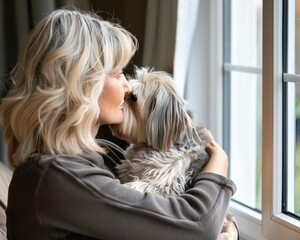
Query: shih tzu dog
{"type": "Point", "coordinates": [167, 146]}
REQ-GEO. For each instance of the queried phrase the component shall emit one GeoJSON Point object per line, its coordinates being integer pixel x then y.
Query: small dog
{"type": "Point", "coordinates": [167, 146]}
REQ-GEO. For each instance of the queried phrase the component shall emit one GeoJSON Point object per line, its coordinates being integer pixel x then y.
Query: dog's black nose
{"type": "Point", "coordinates": [133, 97]}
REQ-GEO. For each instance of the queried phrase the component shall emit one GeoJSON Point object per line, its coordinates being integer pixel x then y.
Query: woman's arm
{"type": "Point", "coordinates": [218, 164]}
{"type": "Point", "coordinates": [90, 202]}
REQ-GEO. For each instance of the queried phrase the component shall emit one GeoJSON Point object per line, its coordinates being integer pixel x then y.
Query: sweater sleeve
{"type": "Point", "coordinates": [88, 200]}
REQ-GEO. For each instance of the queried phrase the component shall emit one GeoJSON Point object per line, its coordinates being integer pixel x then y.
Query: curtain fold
{"type": "Point", "coordinates": [159, 41]}
{"type": "Point", "coordinates": [17, 18]}
{"type": "Point", "coordinates": [187, 15]}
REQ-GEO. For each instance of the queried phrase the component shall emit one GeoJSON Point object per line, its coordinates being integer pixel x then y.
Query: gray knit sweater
{"type": "Point", "coordinates": [79, 197]}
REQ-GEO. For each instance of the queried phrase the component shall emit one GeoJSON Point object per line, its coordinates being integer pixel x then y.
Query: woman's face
{"type": "Point", "coordinates": [111, 101]}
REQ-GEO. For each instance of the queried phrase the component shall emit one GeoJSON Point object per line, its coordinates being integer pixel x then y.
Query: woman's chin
{"type": "Point", "coordinates": [118, 119]}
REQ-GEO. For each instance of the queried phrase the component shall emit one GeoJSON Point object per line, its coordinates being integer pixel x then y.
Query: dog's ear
{"type": "Point", "coordinates": [167, 120]}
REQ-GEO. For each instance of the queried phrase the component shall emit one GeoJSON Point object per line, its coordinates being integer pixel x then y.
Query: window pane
{"type": "Point", "coordinates": [293, 149]}
{"type": "Point", "coordinates": [292, 108]}
{"type": "Point", "coordinates": [245, 137]}
{"type": "Point", "coordinates": [243, 98]}
{"type": "Point", "coordinates": [246, 27]}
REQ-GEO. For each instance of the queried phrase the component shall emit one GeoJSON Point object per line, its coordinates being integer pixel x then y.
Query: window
{"type": "Point", "coordinates": [261, 109]}
{"type": "Point", "coordinates": [291, 108]}
{"type": "Point", "coordinates": [242, 95]}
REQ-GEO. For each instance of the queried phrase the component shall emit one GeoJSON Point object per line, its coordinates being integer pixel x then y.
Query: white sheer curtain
{"type": "Point", "coordinates": [198, 60]}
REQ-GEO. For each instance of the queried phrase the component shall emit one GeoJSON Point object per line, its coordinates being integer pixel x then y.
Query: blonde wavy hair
{"type": "Point", "coordinates": [57, 81]}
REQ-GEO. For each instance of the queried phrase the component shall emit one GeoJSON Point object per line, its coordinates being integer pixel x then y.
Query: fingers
{"type": "Point", "coordinates": [223, 236]}
{"type": "Point", "coordinates": [208, 133]}
{"type": "Point", "coordinates": [212, 147]}
{"type": "Point", "coordinates": [218, 160]}
{"type": "Point", "coordinates": [230, 229]}
{"type": "Point", "coordinates": [215, 150]}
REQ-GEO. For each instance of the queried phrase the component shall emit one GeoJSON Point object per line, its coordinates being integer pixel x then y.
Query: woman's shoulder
{"type": "Point", "coordinates": [75, 164]}
{"type": "Point", "coordinates": [44, 161]}
{"type": "Point", "coordinates": [49, 174]}
{"type": "Point", "coordinates": [68, 164]}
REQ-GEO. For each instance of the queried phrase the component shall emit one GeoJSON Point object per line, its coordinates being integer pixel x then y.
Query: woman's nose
{"type": "Point", "coordinates": [126, 86]}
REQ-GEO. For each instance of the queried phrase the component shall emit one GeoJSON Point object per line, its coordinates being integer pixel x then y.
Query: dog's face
{"type": "Point", "coordinates": [154, 114]}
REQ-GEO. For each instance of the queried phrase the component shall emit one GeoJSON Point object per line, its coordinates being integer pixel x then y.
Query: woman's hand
{"type": "Point", "coordinates": [230, 229]}
{"type": "Point", "coordinates": [218, 162]}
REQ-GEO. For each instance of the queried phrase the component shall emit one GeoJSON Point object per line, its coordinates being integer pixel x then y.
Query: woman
{"type": "Point", "coordinates": [67, 83]}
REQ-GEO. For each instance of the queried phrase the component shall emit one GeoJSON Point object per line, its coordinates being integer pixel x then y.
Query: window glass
{"type": "Point", "coordinates": [245, 137]}
{"type": "Point", "coordinates": [291, 116]}
{"type": "Point", "coordinates": [294, 174]}
{"type": "Point", "coordinates": [246, 24]}
{"type": "Point", "coordinates": [242, 83]}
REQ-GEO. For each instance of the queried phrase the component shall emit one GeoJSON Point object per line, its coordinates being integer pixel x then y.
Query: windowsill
{"type": "Point", "coordinates": [249, 221]}
{"type": "Point", "coordinates": [288, 221]}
